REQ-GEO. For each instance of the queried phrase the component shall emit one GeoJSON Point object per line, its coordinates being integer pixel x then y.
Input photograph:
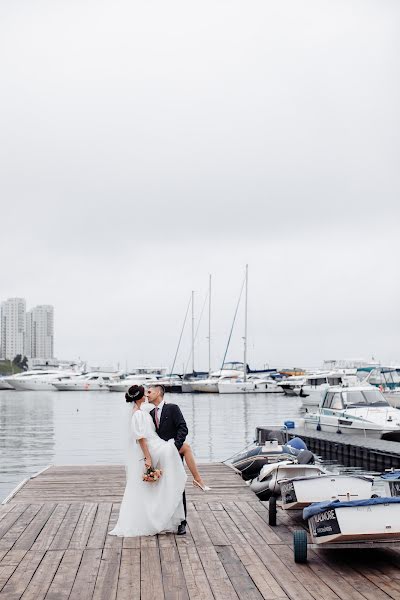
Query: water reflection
{"type": "Point", "coordinates": [41, 428]}
{"type": "Point", "coordinates": [26, 436]}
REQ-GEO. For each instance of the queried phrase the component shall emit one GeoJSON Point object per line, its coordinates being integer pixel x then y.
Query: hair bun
{"type": "Point", "coordinates": [135, 393]}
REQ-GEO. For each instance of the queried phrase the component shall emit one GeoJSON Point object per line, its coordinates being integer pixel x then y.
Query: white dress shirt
{"type": "Point", "coordinates": [159, 410]}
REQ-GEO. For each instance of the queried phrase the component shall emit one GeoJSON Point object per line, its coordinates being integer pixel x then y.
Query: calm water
{"type": "Point", "coordinates": [42, 428]}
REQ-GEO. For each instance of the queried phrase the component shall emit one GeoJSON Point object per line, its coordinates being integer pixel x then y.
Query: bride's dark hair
{"type": "Point", "coordinates": [135, 393]}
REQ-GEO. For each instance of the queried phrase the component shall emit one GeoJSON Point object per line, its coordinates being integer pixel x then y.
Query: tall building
{"type": "Point", "coordinates": [40, 332]}
{"type": "Point", "coordinates": [13, 327]}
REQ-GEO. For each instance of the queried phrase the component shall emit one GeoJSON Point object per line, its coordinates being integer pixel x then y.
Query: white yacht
{"type": "Point", "coordinates": [252, 385]}
{"type": "Point", "coordinates": [96, 381]}
{"type": "Point", "coordinates": [355, 410]}
{"type": "Point", "coordinates": [4, 385]}
{"type": "Point", "coordinates": [316, 383]}
{"type": "Point", "coordinates": [37, 380]}
{"type": "Point", "coordinates": [293, 385]}
{"type": "Point", "coordinates": [124, 383]}
{"type": "Point", "coordinates": [210, 385]}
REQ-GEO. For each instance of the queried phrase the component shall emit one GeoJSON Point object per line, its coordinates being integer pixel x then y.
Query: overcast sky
{"type": "Point", "coordinates": [145, 145]}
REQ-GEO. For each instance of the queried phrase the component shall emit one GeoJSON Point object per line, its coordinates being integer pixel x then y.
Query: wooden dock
{"type": "Point", "coordinates": [54, 545]}
{"type": "Point", "coordinates": [349, 450]}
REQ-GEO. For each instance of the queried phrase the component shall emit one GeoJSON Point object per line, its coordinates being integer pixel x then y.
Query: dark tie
{"type": "Point", "coordinates": [157, 419]}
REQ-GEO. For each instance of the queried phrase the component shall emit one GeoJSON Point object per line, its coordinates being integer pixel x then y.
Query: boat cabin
{"type": "Point", "coordinates": [341, 398]}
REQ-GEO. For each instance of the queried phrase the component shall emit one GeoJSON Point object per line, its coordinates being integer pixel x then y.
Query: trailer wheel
{"type": "Point", "coordinates": [300, 546]}
{"type": "Point", "coordinates": [272, 511]}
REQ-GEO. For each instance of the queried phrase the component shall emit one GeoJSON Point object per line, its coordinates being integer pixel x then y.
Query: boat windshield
{"type": "Point", "coordinates": [364, 398]}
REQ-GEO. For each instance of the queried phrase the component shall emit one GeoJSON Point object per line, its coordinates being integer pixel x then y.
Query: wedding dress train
{"type": "Point", "coordinates": [150, 508]}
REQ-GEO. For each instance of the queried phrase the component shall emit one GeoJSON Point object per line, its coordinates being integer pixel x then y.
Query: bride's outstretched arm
{"type": "Point", "coordinates": [145, 449]}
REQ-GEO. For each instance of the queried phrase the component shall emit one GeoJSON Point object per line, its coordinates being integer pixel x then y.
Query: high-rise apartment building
{"type": "Point", "coordinates": [40, 332]}
{"type": "Point", "coordinates": [13, 327]}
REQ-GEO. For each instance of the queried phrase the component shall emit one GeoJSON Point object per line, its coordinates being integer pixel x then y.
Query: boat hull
{"type": "Point", "coordinates": [249, 387]}
{"type": "Point", "coordinates": [205, 388]}
{"type": "Point", "coordinates": [40, 386]}
{"type": "Point", "coordinates": [299, 493]}
{"type": "Point", "coordinates": [336, 425]}
{"type": "Point", "coordinates": [81, 387]}
{"type": "Point", "coordinates": [270, 483]}
{"type": "Point", "coordinates": [377, 522]}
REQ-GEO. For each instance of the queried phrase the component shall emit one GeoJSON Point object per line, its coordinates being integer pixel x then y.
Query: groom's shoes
{"type": "Point", "coordinates": [181, 529]}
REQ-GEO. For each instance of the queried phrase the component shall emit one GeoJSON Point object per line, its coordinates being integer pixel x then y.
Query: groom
{"type": "Point", "coordinates": [170, 423]}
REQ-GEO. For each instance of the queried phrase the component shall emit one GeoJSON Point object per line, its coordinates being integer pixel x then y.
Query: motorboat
{"type": "Point", "coordinates": [299, 491]}
{"type": "Point", "coordinates": [43, 381]}
{"type": "Point", "coordinates": [369, 523]}
{"type": "Point", "coordinates": [89, 382]}
{"type": "Point", "coordinates": [315, 384]}
{"type": "Point", "coordinates": [341, 521]}
{"type": "Point", "coordinates": [252, 385]}
{"type": "Point", "coordinates": [4, 385]}
{"type": "Point", "coordinates": [210, 384]}
{"type": "Point", "coordinates": [124, 383]}
{"type": "Point", "coordinates": [269, 481]}
{"type": "Point", "coordinates": [36, 379]}
{"type": "Point", "coordinates": [293, 385]}
{"type": "Point", "coordinates": [190, 379]}
{"type": "Point", "coordinates": [355, 410]}
{"type": "Point", "coordinates": [251, 461]}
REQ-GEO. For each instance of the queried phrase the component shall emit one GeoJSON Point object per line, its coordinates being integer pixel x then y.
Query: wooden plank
{"type": "Point", "coordinates": [229, 528]}
{"type": "Point", "coordinates": [219, 581]}
{"type": "Point", "coordinates": [267, 585]}
{"type": "Point", "coordinates": [46, 536]}
{"type": "Point", "coordinates": [113, 541]}
{"type": "Point", "coordinates": [63, 581]}
{"type": "Point", "coordinates": [86, 576]}
{"type": "Point", "coordinates": [100, 525]}
{"type": "Point", "coordinates": [5, 573]}
{"type": "Point", "coordinates": [197, 584]}
{"type": "Point", "coordinates": [107, 578]}
{"type": "Point", "coordinates": [19, 580]}
{"type": "Point", "coordinates": [82, 530]}
{"type": "Point", "coordinates": [196, 527]}
{"type": "Point", "coordinates": [5, 509]}
{"type": "Point", "coordinates": [64, 533]}
{"type": "Point", "coordinates": [314, 584]}
{"type": "Point", "coordinates": [250, 534]}
{"type": "Point", "coordinates": [266, 531]}
{"type": "Point", "coordinates": [337, 569]}
{"type": "Point", "coordinates": [129, 575]}
{"type": "Point", "coordinates": [151, 585]}
{"type": "Point", "coordinates": [8, 540]}
{"type": "Point", "coordinates": [43, 576]}
{"type": "Point", "coordinates": [28, 537]}
{"type": "Point", "coordinates": [131, 543]}
{"type": "Point", "coordinates": [173, 581]}
{"type": "Point", "coordinates": [11, 517]}
{"type": "Point", "coordinates": [213, 528]}
{"type": "Point", "coordinates": [239, 577]}
{"type": "Point", "coordinates": [283, 573]}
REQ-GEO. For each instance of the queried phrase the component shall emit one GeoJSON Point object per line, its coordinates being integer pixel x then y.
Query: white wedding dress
{"type": "Point", "coordinates": [150, 508]}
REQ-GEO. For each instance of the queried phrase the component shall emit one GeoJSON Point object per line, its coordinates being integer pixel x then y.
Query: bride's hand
{"type": "Point", "coordinates": [147, 462]}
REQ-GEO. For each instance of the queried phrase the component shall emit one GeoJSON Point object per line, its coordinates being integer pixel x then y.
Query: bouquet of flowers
{"type": "Point", "coordinates": [152, 475]}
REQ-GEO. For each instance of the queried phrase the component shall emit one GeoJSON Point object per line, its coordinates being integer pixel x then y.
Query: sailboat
{"type": "Point", "coordinates": [247, 383]}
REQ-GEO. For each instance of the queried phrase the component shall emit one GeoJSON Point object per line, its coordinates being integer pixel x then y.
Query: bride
{"type": "Point", "coordinates": [150, 508]}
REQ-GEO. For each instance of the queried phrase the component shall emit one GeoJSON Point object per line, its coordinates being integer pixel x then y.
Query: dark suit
{"type": "Point", "coordinates": [172, 425]}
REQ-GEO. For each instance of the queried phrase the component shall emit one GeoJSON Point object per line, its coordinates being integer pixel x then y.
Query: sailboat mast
{"type": "Point", "coordinates": [192, 332]}
{"type": "Point", "coordinates": [245, 326]}
{"type": "Point", "coordinates": [209, 327]}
